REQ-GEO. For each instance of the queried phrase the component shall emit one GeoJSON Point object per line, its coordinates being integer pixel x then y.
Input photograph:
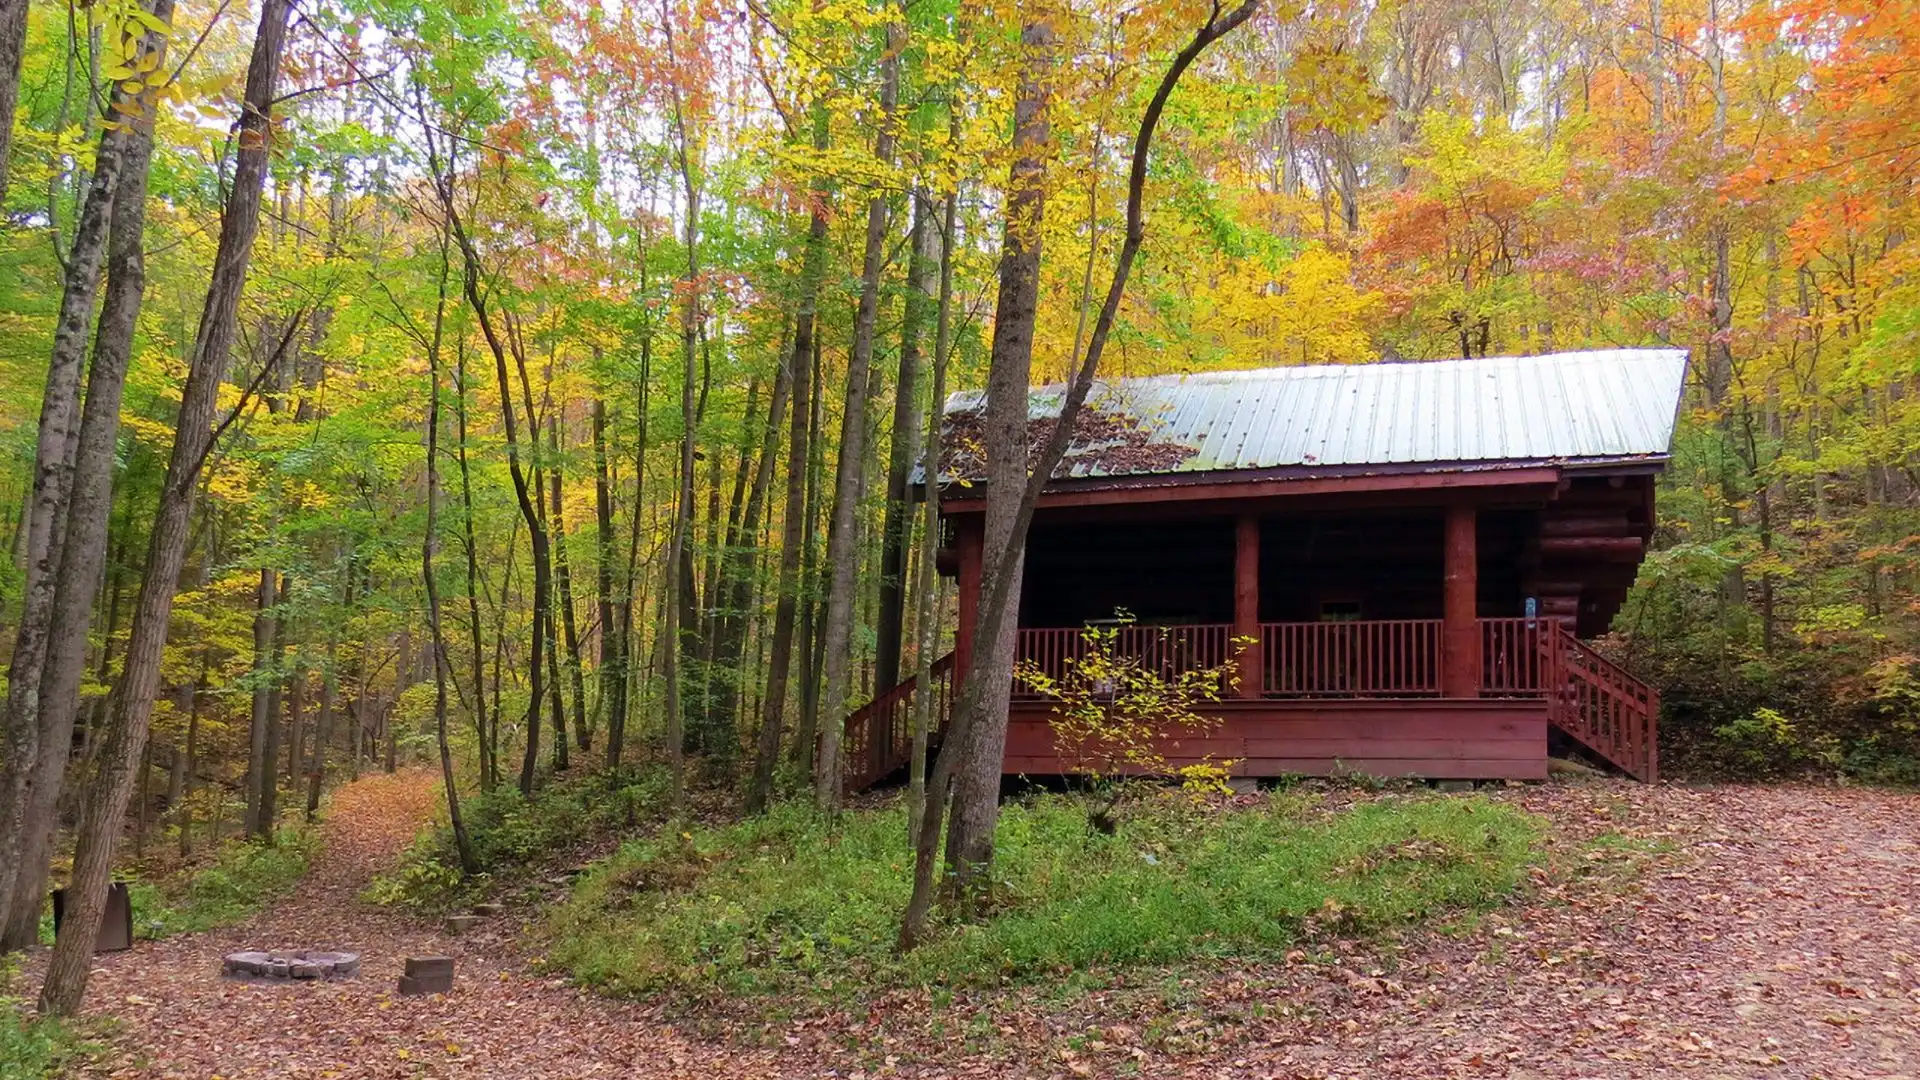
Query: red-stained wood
{"type": "Point", "coordinates": [1460, 636]}
{"type": "Point", "coordinates": [969, 540]}
{"type": "Point", "coordinates": [1246, 602]}
{"type": "Point", "coordinates": [1534, 481]}
{"type": "Point", "coordinates": [1597, 548]}
{"type": "Point", "coordinates": [1432, 738]}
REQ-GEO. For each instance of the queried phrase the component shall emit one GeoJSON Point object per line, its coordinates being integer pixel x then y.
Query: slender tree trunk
{"type": "Point", "coordinates": [54, 453]}
{"type": "Point", "coordinates": [563, 581]}
{"type": "Point", "coordinates": [40, 724]}
{"type": "Point", "coordinates": [803, 743]}
{"type": "Point", "coordinates": [889, 633]}
{"type": "Point", "coordinates": [794, 524]}
{"type": "Point", "coordinates": [322, 730]}
{"type": "Point", "coordinates": [843, 532]}
{"type": "Point", "coordinates": [931, 584]}
{"type": "Point", "coordinates": [126, 738]}
{"type": "Point", "coordinates": [184, 816]}
{"type": "Point", "coordinates": [429, 544]}
{"type": "Point", "coordinates": [976, 742]}
{"type": "Point", "coordinates": [262, 716]}
{"type": "Point", "coordinates": [489, 765]}
{"type": "Point", "coordinates": [13, 43]}
{"type": "Point", "coordinates": [612, 671]}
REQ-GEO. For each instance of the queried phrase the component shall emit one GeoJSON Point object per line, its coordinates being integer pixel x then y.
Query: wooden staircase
{"type": "Point", "coordinates": [1601, 706]}
{"type": "Point", "coordinates": [879, 734]}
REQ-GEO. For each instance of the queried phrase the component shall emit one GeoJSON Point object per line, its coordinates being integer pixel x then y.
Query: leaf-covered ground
{"type": "Point", "coordinates": [1729, 931]}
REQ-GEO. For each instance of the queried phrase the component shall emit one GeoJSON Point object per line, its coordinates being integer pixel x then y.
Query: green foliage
{"type": "Point", "coordinates": [32, 1048]}
{"type": "Point", "coordinates": [795, 904]}
{"type": "Point", "coordinates": [244, 879]}
{"type": "Point", "coordinates": [512, 834]}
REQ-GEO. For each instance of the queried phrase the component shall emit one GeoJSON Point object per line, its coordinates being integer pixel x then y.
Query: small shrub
{"type": "Point", "coordinates": [511, 833]}
{"type": "Point", "coordinates": [244, 879]}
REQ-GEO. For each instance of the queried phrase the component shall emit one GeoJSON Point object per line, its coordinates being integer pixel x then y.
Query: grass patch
{"type": "Point", "coordinates": [791, 904]}
{"type": "Point", "coordinates": [511, 834]}
{"type": "Point", "coordinates": [32, 1048]}
{"type": "Point", "coordinates": [242, 879]}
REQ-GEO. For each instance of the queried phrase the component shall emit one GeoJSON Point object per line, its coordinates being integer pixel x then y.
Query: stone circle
{"type": "Point", "coordinates": [295, 964]}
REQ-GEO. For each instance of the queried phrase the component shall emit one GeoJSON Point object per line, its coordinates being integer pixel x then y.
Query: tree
{"type": "Point", "coordinates": [194, 436]}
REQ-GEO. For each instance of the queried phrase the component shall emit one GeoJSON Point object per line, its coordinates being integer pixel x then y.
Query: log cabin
{"type": "Point", "coordinates": [1419, 553]}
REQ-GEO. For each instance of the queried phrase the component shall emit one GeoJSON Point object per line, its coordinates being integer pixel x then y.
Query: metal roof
{"type": "Point", "coordinates": [1563, 407]}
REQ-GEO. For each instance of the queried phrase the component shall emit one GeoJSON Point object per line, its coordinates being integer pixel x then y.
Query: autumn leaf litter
{"type": "Point", "coordinates": [1725, 931]}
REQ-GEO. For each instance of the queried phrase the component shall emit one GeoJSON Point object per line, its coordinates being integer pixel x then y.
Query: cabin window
{"type": "Point", "coordinates": [1340, 611]}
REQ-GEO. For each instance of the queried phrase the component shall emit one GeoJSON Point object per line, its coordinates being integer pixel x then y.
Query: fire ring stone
{"type": "Point", "coordinates": [299, 964]}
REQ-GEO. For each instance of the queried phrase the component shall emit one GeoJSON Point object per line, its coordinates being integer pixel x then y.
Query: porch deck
{"type": "Point", "coordinates": [1330, 697]}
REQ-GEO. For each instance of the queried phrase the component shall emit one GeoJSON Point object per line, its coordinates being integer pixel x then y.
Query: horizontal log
{"type": "Point", "coordinates": [1611, 525]}
{"type": "Point", "coordinates": [1606, 548]}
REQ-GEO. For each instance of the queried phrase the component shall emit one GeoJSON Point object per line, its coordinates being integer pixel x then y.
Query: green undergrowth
{"type": "Point", "coordinates": [242, 880]}
{"type": "Point", "coordinates": [513, 835]}
{"type": "Point", "coordinates": [32, 1048]}
{"type": "Point", "coordinates": [794, 906]}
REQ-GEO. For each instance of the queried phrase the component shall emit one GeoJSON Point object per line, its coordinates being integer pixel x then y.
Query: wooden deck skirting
{"type": "Point", "coordinates": [1434, 738]}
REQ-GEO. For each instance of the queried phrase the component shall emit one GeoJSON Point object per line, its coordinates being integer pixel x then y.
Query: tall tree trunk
{"type": "Point", "coordinates": [612, 671]}
{"type": "Point", "coordinates": [54, 453]}
{"type": "Point", "coordinates": [429, 544]}
{"type": "Point", "coordinates": [262, 716]}
{"type": "Point", "coordinates": [489, 765]}
{"type": "Point", "coordinates": [843, 532]}
{"type": "Point", "coordinates": [126, 737]}
{"type": "Point", "coordinates": [184, 816]}
{"type": "Point", "coordinates": [810, 623]}
{"type": "Point", "coordinates": [972, 760]}
{"type": "Point", "coordinates": [930, 582]}
{"type": "Point", "coordinates": [40, 723]}
{"type": "Point", "coordinates": [794, 524]}
{"type": "Point", "coordinates": [13, 43]}
{"type": "Point", "coordinates": [678, 564]}
{"type": "Point", "coordinates": [563, 581]}
{"type": "Point", "coordinates": [322, 730]}
{"type": "Point", "coordinates": [889, 633]}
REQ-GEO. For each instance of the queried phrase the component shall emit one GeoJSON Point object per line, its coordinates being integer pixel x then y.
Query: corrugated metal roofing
{"type": "Point", "coordinates": [1604, 404]}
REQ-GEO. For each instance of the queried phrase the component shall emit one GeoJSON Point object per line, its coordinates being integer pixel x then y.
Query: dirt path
{"type": "Point", "coordinates": [179, 1018]}
{"type": "Point", "coordinates": [1775, 933]}
{"type": "Point", "coordinates": [1779, 937]}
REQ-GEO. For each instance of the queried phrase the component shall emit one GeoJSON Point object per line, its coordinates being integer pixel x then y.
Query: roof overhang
{"type": "Point", "coordinates": [1424, 483]}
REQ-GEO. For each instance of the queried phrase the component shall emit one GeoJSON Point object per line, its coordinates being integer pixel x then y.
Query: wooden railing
{"type": "Point", "coordinates": [1378, 658]}
{"type": "Point", "coordinates": [1514, 660]}
{"type": "Point", "coordinates": [1168, 650]}
{"type": "Point", "coordinates": [1601, 704]}
{"type": "Point", "coordinates": [1589, 698]}
{"type": "Point", "coordinates": [879, 734]}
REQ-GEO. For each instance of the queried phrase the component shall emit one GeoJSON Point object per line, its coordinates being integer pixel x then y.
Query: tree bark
{"type": "Point", "coordinates": [931, 584]}
{"type": "Point", "coordinates": [429, 544]}
{"type": "Point", "coordinates": [843, 532]}
{"type": "Point", "coordinates": [106, 805]}
{"type": "Point", "coordinates": [889, 633]}
{"type": "Point", "coordinates": [563, 581]}
{"type": "Point", "coordinates": [793, 532]}
{"type": "Point", "coordinates": [13, 43]}
{"type": "Point", "coordinates": [983, 694]}
{"type": "Point", "coordinates": [40, 723]}
{"type": "Point", "coordinates": [261, 717]}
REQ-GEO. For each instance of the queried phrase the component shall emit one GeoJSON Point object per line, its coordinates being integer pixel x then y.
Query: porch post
{"type": "Point", "coordinates": [1460, 627]}
{"type": "Point", "coordinates": [968, 539]}
{"type": "Point", "coordinates": [1246, 602]}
